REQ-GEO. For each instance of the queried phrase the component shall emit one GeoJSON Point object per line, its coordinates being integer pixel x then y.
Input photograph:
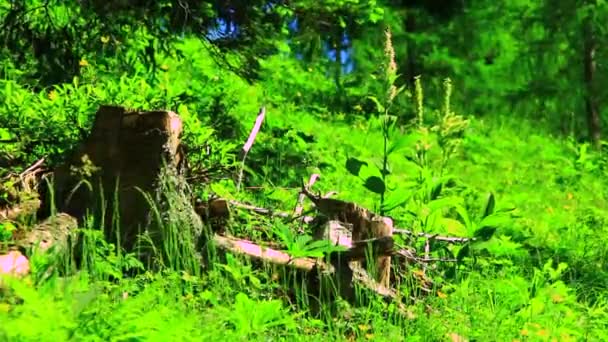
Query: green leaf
{"type": "Point", "coordinates": [445, 202]}
{"type": "Point", "coordinates": [354, 165]}
{"type": "Point", "coordinates": [432, 220]}
{"type": "Point", "coordinates": [401, 143]}
{"type": "Point", "coordinates": [495, 220]}
{"type": "Point", "coordinates": [485, 233]}
{"type": "Point", "coordinates": [303, 240]}
{"type": "Point", "coordinates": [8, 226]}
{"type": "Point", "coordinates": [375, 184]}
{"type": "Point", "coordinates": [414, 161]}
{"type": "Point", "coordinates": [396, 199]}
{"type": "Point", "coordinates": [453, 227]}
{"type": "Point", "coordinates": [464, 215]}
{"type": "Point", "coordinates": [463, 252]}
{"type": "Point", "coordinates": [5, 134]}
{"type": "Point", "coordinates": [379, 106]}
{"type": "Point", "coordinates": [490, 204]}
{"type": "Point", "coordinates": [436, 191]}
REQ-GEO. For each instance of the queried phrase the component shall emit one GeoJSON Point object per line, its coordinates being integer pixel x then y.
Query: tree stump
{"type": "Point", "coordinates": [123, 155]}
{"type": "Point", "coordinates": [363, 225]}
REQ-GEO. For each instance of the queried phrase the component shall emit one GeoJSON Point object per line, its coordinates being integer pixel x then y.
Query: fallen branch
{"type": "Point", "coordinates": [408, 254]}
{"type": "Point", "coordinates": [255, 251]}
{"type": "Point", "coordinates": [381, 246]}
{"type": "Point", "coordinates": [300, 205]}
{"type": "Point", "coordinates": [34, 168]}
{"type": "Point", "coordinates": [249, 143]}
{"type": "Point", "coordinates": [449, 239]}
{"type": "Point", "coordinates": [268, 212]}
{"type": "Point", "coordinates": [23, 209]}
{"type": "Point", "coordinates": [308, 219]}
{"type": "Point", "coordinates": [245, 247]}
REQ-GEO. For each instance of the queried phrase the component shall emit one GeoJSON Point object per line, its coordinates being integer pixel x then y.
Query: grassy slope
{"type": "Point", "coordinates": [561, 205]}
{"type": "Point", "coordinates": [481, 306]}
{"type": "Point", "coordinates": [561, 208]}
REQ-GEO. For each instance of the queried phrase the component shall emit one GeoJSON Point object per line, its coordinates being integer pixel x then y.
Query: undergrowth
{"type": "Point", "coordinates": [536, 204]}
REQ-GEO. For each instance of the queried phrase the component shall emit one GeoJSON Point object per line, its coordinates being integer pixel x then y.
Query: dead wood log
{"type": "Point", "coordinates": [215, 212]}
{"type": "Point", "coordinates": [20, 210]}
{"type": "Point", "coordinates": [268, 212]}
{"type": "Point", "coordinates": [341, 233]}
{"type": "Point", "coordinates": [13, 264]}
{"type": "Point", "coordinates": [336, 232]}
{"type": "Point", "coordinates": [252, 250]}
{"type": "Point", "coordinates": [310, 219]}
{"type": "Point", "coordinates": [55, 232]}
{"type": "Point", "coordinates": [297, 212]}
{"type": "Point", "coordinates": [365, 225]}
{"type": "Point", "coordinates": [22, 199]}
{"type": "Point", "coordinates": [436, 237]}
{"type": "Point", "coordinates": [245, 247]}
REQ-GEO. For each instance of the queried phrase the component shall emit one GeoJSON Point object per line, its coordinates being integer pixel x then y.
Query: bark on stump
{"type": "Point", "coordinates": [124, 152]}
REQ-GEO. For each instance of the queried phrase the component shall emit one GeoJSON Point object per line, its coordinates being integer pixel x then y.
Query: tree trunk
{"type": "Point", "coordinates": [592, 107]}
{"type": "Point", "coordinates": [124, 154]}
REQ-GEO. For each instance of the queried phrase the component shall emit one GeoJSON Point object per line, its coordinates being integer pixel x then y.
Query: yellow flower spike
{"type": "Point", "coordinates": [363, 327]}
{"type": "Point", "coordinates": [105, 39]}
{"type": "Point", "coordinates": [441, 295]}
{"type": "Point", "coordinates": [83, 63]}
{"type": "Point", "coordinates": [53, 95]}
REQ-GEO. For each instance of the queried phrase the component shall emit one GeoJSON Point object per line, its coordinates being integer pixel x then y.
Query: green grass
{"type": "Point", "coordinates": [541, 277]}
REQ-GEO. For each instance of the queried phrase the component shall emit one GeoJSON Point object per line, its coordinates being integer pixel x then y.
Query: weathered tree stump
{"type": "Point", "coordinates": [358, 226]}
{"type": "Point", "coordinates": [123, 155]}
